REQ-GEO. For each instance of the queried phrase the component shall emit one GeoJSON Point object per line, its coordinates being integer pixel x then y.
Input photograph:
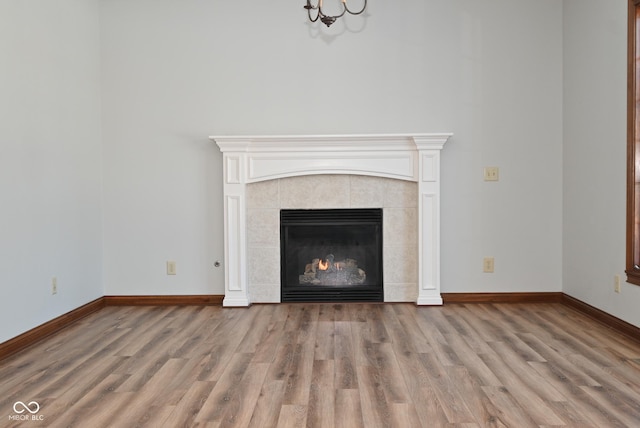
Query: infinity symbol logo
{"type": "Point", "coordinates": [19, 404]}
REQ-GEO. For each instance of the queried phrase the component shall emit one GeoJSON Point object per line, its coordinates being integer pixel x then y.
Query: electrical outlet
{"type": "Point", "coordinates": [487, 265]}
{"type": "Point", "coordinates": [491, 173]}
{"type": "Point", "coordinates": [54, 285]}
{"type": "Point", "coordinates": [171, 268]}
{"type": "Point", "coordinates": [616, 283]}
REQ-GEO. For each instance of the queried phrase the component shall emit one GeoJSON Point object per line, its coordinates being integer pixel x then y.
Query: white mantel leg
{"type": "Point", "coordinates": [235, 237]}
{"type": "Point", "coordinates": [429, 227]}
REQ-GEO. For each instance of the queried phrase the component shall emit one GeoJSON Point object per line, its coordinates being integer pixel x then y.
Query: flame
{"type": "Point", "coordinates": [322, 265]}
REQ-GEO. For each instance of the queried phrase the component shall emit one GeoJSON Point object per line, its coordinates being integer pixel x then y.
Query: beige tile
{"type": "Point", "coordinates": [265, 293]}
{"type": "Point", "coordinates": [264, 194]}
{"type": "Point", "coordinates": [263, 265]}
{"type": "Point", "coordinates": [367, 192]}
{"type": "Point", "coordinates": [401, 292]}
{"type": "Point", "coordinates": [315, 191]}
{"type": "Point", "coordinates": [400, 193]}
{"type": "Point", "coordinates": [400, 226]}
{"type": "Point", "coordinates": [400, 264]}
{"type": "Point", "coordinates": [399, 199]}
{"type": "Point", "coordinates": [263, 227]}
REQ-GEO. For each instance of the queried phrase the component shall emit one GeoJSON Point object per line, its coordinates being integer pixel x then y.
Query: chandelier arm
{"type": "Point", "coordinates": [313, 19]}
{"type": "Point", "coordinates": [311, 7]}
{"type": "Point", "coordinates": [344, 10]}
{"type": "Point", "coordinates": [354, 13]}
{"type": "Point", "coordinates": [328, 19]}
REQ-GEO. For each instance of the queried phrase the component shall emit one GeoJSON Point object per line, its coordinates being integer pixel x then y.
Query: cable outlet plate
{"type": "Point", "coordinates": [491, 173]}
{"type": "Point", "coordinates": [171, 267]}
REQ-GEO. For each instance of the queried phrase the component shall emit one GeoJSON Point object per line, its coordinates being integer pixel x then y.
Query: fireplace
{"type": "Point", "coordinates": [331, 255]}
{"type": "Point", "coordinates": [252, 268]}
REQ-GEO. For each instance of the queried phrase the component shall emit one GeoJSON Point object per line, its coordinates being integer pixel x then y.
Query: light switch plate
{"type": "Point", "coordinates": [171, 268]}
{"type": "Point", "coordinates": [487, 265]}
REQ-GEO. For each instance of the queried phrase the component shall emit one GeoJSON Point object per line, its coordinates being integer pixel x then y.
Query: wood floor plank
{"type": "Point", "coordinates": [626, 373]}
{"type": "Point", "coordinates": [483, 410]}
{"type": "Point", "coordinates": [150, 395]}
{"type": "Point", "coordinates": [445, 391]}
{"type": "Point", "coordinates": [572, 416]}
{"type": "Point", "coordinates": [152, 323]}
{"type": "Point", "coordinates": [225, 389]}
{"type": "Point", "coordinates": [266, 349]}
{"type": "Point", "coordinates": [389, 373]}
{"type": "Point", "coordinates": [156, 417]}
{"type": "Point", "coordinates": [375, 320]}
{"type": "Point", "coordinates": [267, 410]}
{"type": "Point", "coordinates": [472, 361]}
{"type": "Point", "coordinates": [60, 373]}
{"type": "Point", "coordinates": [292, 416]}
{"type": "Point", "coordinates": [194, 332]}
{"type": "Point", "coordinates": [300, 374]}
{"type": "Point", "coordinates": [403, 415]}
{"type": "Point", "coordinates": [424, 401]}
{"type": "Point", "coordinates": [557, 362]}
{"type": "Point", "coordinates": [526, 375]}
{"type": "Point", "coordinates": [475, 319]}
{"type": "Point", "coordinates": [77, 412]}
{"type": "Point", "coordinates": [510, 413]}
{"type": "Point", "coordinates": [293, 364]}
{"type": "Point", "coordinates": [252, 340]}
{"type": "Point", "coordinates": [183, 414]}
{"type": "Point", "coordinates": [622, 400]}
{"type": "Point", "coordinates": [532, 404]}
{"type": "Point", "coordinates": [236, 324]}
{"type": "Point", "coordinates": [238, 412]}
{"type": "Point", "coordinates": [618, 409]}
{"type": "Point", "coordinates": [102, 416]}
{"type": "Point", "coordinates": [375, 408]}
{"type": "Point", "coordinates": [430, 411]}
{"type": "Point", "coordinates": [410, 328]}
{"type": "Point", "coordinates": [430, 323]}
{"type": "Point", "coordinates": [325, 341]}
{"type": "Point", "coordinates": [345, 356]}
{"type": "Point", "coordinates": [588, 409]}
{"type": "Point", "coordinates": [67, 391]}
{"type": "Point", "coordinates": [329, 365]}
{"type": "Point", "coordinates": [348, 413]}
{"type": "Point", "coordinates": [322, 395]}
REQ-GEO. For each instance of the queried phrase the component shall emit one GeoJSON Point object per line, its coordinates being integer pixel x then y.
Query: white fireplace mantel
{"type": "Point", "coordinates": [251, 159]}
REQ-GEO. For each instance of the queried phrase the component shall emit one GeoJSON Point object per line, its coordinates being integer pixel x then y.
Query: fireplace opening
{"type": "Point", "coordinates": [331, 255]}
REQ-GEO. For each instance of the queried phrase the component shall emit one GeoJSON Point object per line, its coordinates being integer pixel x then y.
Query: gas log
{"type": "Point", "coordinates": [328, 271]}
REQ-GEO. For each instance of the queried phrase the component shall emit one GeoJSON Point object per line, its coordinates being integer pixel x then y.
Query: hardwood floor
{"type": "Point", "coordinates": [327, 365]}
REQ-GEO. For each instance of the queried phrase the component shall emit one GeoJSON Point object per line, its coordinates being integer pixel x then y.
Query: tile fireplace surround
{"type": "Point", "coordinates": [399, 173]}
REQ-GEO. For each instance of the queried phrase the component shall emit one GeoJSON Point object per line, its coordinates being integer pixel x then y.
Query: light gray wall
{"type": "Point", "coordinates": [176, 72]}
{"type": "Point", "coordinates": [163, 75]}
{"type": "Point", "coordinates": [50, 160]}
{"type": "Point", "coordinates": [595, 44]}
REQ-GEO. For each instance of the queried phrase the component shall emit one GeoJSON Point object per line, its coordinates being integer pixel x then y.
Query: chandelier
{"type": "Point", "coordinates": [327, 19]}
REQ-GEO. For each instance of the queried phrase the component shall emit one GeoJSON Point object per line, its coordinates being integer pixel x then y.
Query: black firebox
{"type": "Point", "coordinates": [331, 255]}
